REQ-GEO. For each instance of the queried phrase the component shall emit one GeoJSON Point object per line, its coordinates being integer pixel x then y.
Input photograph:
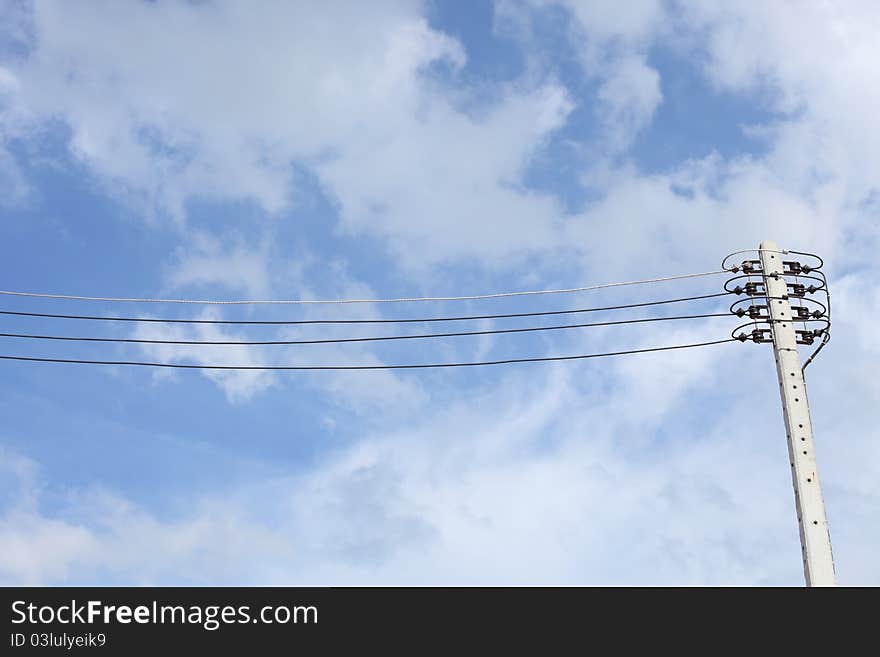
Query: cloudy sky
{"type": "Point", "coordinates": [280, 150]}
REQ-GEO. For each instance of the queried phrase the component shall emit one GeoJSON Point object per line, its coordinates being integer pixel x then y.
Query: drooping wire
{"type": "Point", "coordinates": [826, 336]}
{"type": "Point", "coordinates": [826, 331]}
{"type": "Point", "coordinates": [360, 321]}
{"type": "Point", "coordinates": [748, 275]}
{"type": "Point", "coordinates": [507, 361]}
{"type": "Point", "coordinates": [724, 266]}
{"type": "Point", "coordinates": [472, 297]}
{"type": "Point", "coordinates": [529, 329]}
{"type": "Point", "coordinates": [823, 310]}
{"type": "Point", "coordinates": [770, 322]}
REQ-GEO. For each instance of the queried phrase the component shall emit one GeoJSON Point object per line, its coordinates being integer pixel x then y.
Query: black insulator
{"type": "Point", "coordinates": [737, 290]}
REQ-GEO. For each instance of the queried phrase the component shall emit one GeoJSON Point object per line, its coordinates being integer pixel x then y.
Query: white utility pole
{"type": "Point", "coordinates": [813, 526]}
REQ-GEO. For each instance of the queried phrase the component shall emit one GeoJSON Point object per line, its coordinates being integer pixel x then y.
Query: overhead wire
{"type": "Point", "coordinates": [529, 329]}
{"type": "Point", "coordinates": [89, 317]}
{"type": "Point", "coordinates": [473, 297]}
{"type": "Point", "coordinates": [105, 318]}
{"type": "Point", "coordinates": [364, 367]}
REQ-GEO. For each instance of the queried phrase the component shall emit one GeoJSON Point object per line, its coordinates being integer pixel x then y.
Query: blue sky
{"type": "Point", "coordinates": [331, 150]}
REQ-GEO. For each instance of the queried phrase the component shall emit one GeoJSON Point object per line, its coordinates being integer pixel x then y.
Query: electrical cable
{"type": "Point", "coordinates": [733, 307]}
{"type": "Point", "coordinates": [765, 320]}
{"type": "Point", "coordinates": [364, 367]}
{"type": "Point", "coordinates": [826, 337]}
{"type": "Point", "coordinates": [826, 309]}
{"type": "Point", "coordinates": [752, 300]}
{"type": "Point", "coordinates": [749, 275]}
{"type": "Point", "coordinates": [363, 339]}
{"type": "Point", "coordinates": [358, 321]}
{"type": "Point", "coordinates": [783, 252]}
{"type": "Point", "coordinates": [343, 301]}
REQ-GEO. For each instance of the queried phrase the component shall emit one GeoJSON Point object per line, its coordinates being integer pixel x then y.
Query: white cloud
{"type": "Point", "coordinates": [14, 188]}
{"type": "Point", "coordinates": [207, 261]}
{"type": "Point", "coordinates": [179, 101]}
{"type": "Point", "coordinates": [213, 102]}
{"type": "Point", "coordinates": [628, 97]}
{"type": "Point", "coordinates": [444, 185]}
{"type": "Point", "coordinates": [822, 75]}
{"type": "Point", "coordinates": [351, 99]}
{"type": "Point", "coordinates": [579, 493]}
{"type": "Point", "coordinates": [238, 385]}
{"type": "Point", "coordinates": [606, 20]}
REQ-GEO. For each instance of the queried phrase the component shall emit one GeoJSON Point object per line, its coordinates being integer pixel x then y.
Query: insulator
{"type": "Point", "coordinates": [755, 311]}
{"type": "Point", "coordinates": [792, 267]}
{"type": "Point", "coordinates": [807, 337]}
{"type": "Point", "coordinates": [758, 335]}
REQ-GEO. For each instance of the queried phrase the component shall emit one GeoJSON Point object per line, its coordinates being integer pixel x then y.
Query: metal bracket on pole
{"type": "Point", "coordinates": [812, 523]}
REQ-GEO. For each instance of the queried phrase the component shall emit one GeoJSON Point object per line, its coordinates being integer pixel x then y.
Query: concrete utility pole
{"type": "Point", "coordinates": [813, 526]}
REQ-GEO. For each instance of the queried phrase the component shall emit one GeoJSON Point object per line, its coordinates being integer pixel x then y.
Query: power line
{"type": "Point", "coordinates": [363, 367]}
{"type": "Point", "coordinates": [362, 339]}
{"type": "Point", "coordinates": [103, 318]}
{"type": "Point", "coordinates": [760, 251]}
{"type": "Point", "coordinates": [496, 295]}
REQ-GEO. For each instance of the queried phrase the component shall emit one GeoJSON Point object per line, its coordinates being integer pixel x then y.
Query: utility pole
{"type": "Point", "coordinates": [812, 524]}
